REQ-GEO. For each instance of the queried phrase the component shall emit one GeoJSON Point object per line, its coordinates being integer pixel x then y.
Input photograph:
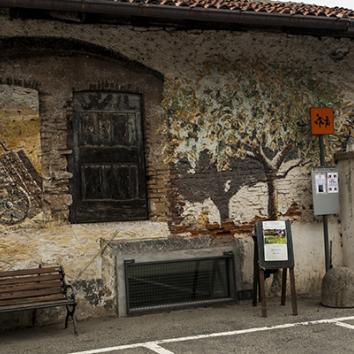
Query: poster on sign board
{"type": "Point", "coordinates": [275, 241]}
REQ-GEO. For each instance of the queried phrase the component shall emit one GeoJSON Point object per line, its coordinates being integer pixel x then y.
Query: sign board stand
{"type": "Point", "coordinates": [273, 251]}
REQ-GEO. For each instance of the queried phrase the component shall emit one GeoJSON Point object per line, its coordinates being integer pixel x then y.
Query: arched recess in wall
{"type": "Point", "coordinates": [19, 46]}
{"type": "Point", "coordinates": [58, 68]}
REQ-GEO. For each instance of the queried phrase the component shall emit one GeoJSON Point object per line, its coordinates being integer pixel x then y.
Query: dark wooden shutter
{"type": "Point", "coordinates": [108, 164]}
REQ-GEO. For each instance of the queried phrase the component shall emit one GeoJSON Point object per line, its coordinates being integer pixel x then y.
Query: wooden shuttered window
{"type": "Point", "coordinates": [108, 158]}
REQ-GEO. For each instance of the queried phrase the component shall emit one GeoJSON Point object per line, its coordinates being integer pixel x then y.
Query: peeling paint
{"type": "Point", "coordinates": [92, 290]}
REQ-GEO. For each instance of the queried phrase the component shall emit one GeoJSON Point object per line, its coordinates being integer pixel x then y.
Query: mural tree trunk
{"type": "Point", "coordinates": [272, 168]}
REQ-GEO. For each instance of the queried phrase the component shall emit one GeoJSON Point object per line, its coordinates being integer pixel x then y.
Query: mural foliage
{"type": "Point", "coordinates": [246, 111]}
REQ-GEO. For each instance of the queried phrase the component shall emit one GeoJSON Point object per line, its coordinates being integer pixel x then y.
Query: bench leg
{"type": "Point", "coordinates": [67, 317]}
{"type": "Point", "coordinates": [70, 312]}
{"type": "Point", "coordinates": [262, 291]}
{"type": "Point", "coordinates": [75, 326]}
{"type": "Point", "coordinates": [283, 286]}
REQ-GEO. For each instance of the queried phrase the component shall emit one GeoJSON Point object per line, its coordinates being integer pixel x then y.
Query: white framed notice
{"type": "Point", "coordinates": [320, 181]}
{"type": "Point", "coordinates": [275, 241]}
{"type": "Point", "coordinates": [332, 182]}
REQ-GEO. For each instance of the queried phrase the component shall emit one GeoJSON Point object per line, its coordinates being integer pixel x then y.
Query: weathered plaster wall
{"type": "Point", "coordinates": [78, 249]}
{"type": "Point", "coordinates": [232, 140]}
{"type": "Point", "coordinates": [346, 195]}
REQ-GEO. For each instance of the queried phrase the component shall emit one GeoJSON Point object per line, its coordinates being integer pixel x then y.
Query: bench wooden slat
{"type": "Point", "coordinates": [13, 273]}
{"type": "Point", "coordinates": [30, 293]}
{"type": "Point", "coordinates": [21, 307]}
{"type": "Point", "coordinates": [29, 279]}
{"type": "Point", "coordinates": [31, 286]}
{"type": "Point", "coordinates": [33, 300]}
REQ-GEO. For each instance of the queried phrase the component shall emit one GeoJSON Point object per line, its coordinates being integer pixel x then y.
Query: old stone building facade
{"type": "Point", "coordinates": [224, 130]}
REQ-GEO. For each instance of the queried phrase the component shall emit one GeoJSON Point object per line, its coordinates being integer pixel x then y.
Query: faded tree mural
{"type": "Point", "coordinates": [246, 111]}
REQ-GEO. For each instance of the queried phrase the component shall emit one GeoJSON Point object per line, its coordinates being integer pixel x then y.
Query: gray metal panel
{"type": "Point", "coordinates": [324, 203]}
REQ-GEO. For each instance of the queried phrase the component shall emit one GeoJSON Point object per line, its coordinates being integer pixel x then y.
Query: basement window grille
{"type": "Point", "coordinates": [178, 283]}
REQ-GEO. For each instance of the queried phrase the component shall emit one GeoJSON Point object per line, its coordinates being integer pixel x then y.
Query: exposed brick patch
{"type": "Point", "coordinates": [227, 228]}
{"type": "Point", "coordinates": [293, 211]}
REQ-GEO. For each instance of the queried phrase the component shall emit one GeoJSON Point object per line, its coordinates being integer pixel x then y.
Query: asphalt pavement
{"type": "Point", "coordinates": [231, 328]}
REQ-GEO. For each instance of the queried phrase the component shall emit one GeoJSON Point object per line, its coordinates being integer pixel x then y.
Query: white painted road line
{"type": "Point", "coordinates": [345, 325]}
{"type": "Point", "coordinates": [157, 349]}
{"type": "Point", "coordinates": [218, 334]}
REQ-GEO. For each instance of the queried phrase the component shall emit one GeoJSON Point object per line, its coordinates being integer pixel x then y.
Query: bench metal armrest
{"type": "Point", "coordinates": [71, 294]}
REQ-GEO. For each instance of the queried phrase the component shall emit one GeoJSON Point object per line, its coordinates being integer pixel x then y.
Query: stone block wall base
{"type": "Point", "coordinates": [338, 288]}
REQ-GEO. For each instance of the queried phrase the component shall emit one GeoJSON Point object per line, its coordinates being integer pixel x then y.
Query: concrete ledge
{"type": "Point", "coordinates": [158, 245]}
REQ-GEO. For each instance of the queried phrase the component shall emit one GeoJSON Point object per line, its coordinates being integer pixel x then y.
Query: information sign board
{"type": "Point", "coordinates": [274, 242]}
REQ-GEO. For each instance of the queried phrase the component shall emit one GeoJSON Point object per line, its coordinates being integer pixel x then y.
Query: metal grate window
{"type": "Point", "coordinates": [164, 284]}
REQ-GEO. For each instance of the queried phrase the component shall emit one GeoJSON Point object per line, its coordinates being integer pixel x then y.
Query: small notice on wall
{"type": "Point", "coordinates": [320, 180]}
{"type": "Point", "coordinates": [332, 182]}
{"type": "Point", "coordinates": [275, 241]}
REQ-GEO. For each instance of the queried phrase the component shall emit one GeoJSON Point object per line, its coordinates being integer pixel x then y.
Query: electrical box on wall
{"type": "Point", "coordinates": [325, 191]}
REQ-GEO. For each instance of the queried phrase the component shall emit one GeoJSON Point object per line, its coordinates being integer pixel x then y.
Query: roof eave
{"type": "Point", "coordinates": [332, 25]}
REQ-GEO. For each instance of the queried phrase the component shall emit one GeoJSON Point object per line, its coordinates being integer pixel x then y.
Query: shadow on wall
{"type": "Point", "coordinates": [219, 186]}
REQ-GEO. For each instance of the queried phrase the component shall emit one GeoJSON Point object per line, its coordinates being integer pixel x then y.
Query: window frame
{"type": "Point", "coordinates": [75, 186]}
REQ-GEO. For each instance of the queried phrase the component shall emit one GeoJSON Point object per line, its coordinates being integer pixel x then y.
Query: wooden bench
{"type": "Point", "coordinates": [32, 289]}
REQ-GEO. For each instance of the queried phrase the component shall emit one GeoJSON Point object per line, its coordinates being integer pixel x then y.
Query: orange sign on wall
{"type": "Point", "coordinates": [322, 121]}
